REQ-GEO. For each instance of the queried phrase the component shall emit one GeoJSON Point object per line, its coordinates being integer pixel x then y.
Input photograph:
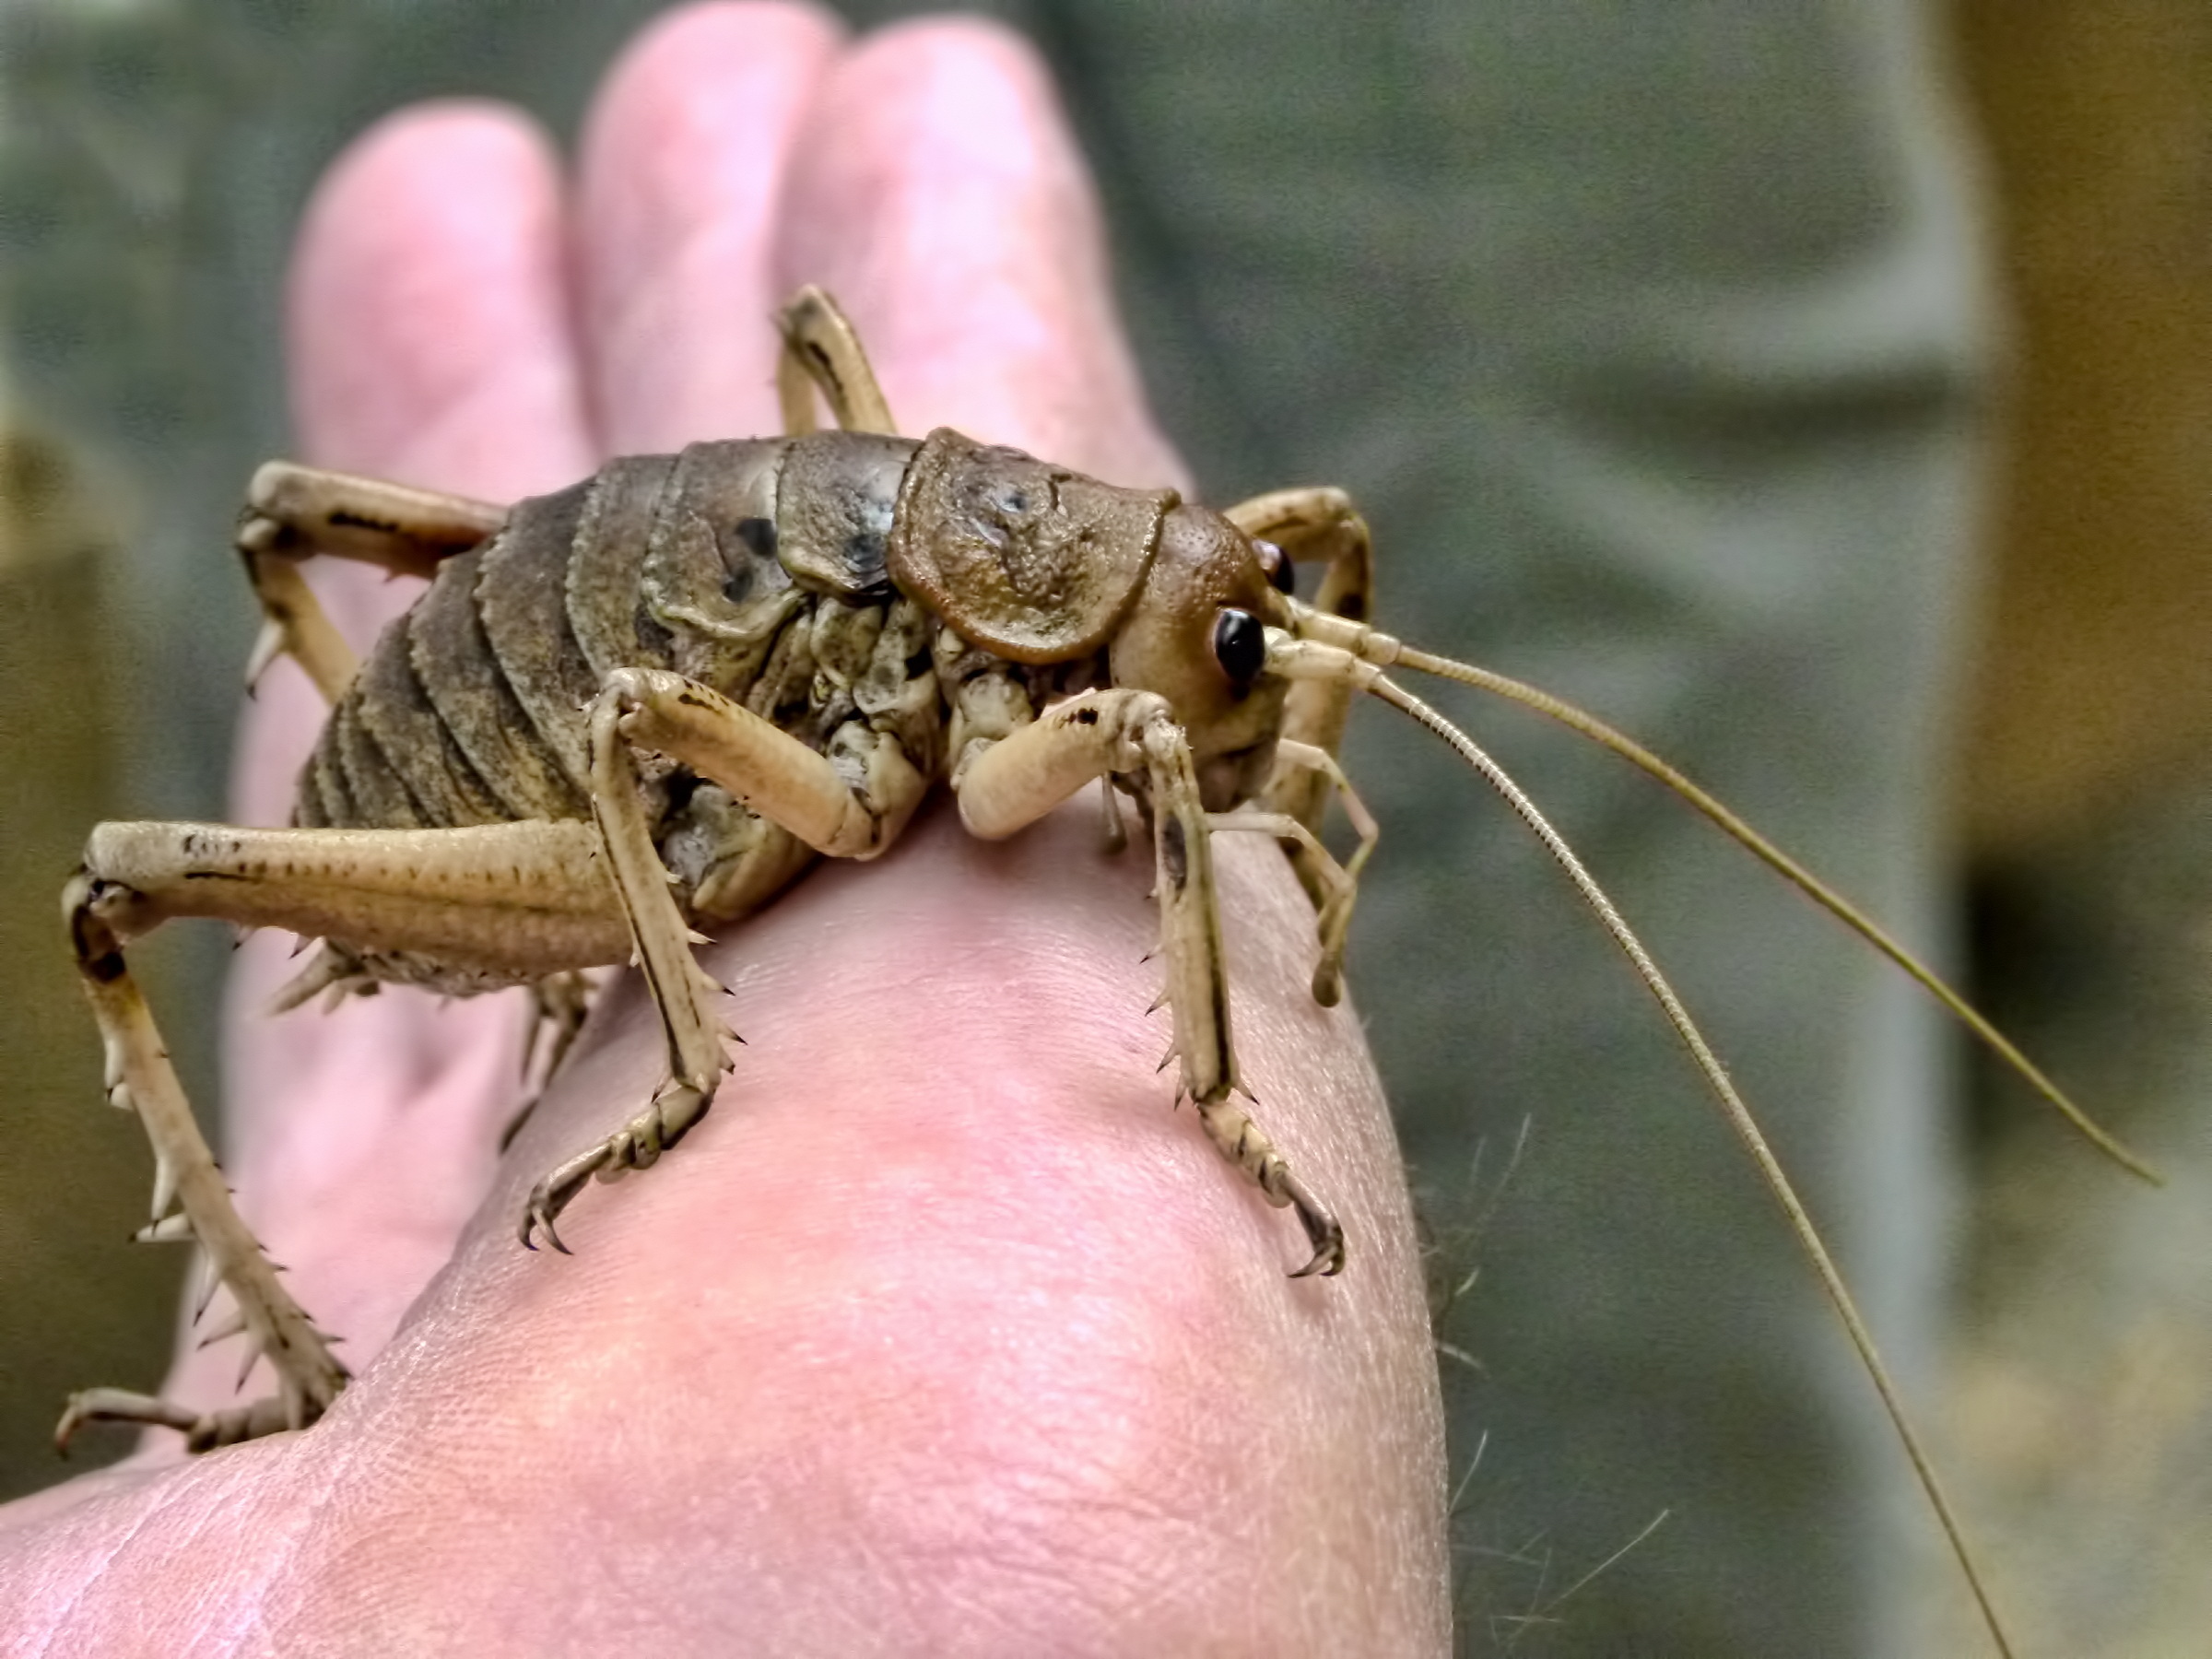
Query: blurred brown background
{"type": "Point", "coordinates": [2081, 1390]}
{"type": "Point", "coordinates": [2079, 1394]}
{"type": "Point", "coordinates": [70, 1294]}
{"type": "Point", "coordinates": [2097, 122]}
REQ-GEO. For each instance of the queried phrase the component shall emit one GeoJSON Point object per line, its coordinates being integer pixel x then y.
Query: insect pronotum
{"type": "Point", "coordinates": [647, 702]}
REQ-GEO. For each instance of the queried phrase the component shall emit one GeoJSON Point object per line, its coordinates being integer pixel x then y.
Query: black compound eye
{"type": "Point", "coordinates": [1276, 564]}
{"type": "Point", "coordinates": [1240, 646]}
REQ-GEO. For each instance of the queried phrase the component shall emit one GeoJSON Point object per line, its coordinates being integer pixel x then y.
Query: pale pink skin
{"type": "Point", "coordinates": [946, 1333]}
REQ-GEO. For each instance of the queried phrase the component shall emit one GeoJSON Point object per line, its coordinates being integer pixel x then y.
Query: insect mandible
{"type": "Point", "coordinates": [645, 703]}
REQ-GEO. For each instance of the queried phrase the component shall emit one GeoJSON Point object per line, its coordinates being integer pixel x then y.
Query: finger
{"type": "Point", "coordinates": [936, 190]}
{"type": "Point", "coordinates": [427, 331]}
{"type": "Point", "coordinates": [681, 163]}
{"type": "Point", "coordinates": [429, 342]}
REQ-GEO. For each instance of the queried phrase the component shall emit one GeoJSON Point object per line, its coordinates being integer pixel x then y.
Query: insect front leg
{"type": "Point", "coordinates": [1011, 783]}
{"type": "Point", "coordinates": [769, 772]}
{"type": "Point", "coordinates": [822, 350]}
{"type": "Point", "coordinates": [296, 513]}
{"type": "Point", "coordinates": [1335, 886]}
{"type": "Point", "coordinates": [1318, 524]}
{"type": "Point", "coordinates": [508, 900]}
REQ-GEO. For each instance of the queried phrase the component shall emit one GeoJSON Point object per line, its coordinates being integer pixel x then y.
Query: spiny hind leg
{"type": "Point", "coordinates": [296, 513]}
{"type": "Point", "coordinates": [190, 1203]}
{"type": "Point", "coordinates": [1021, 777]}
{"type": "Point", "coordinates": [492, 904]}
{"type": "Point", "coordinates": [822, 350]}
{"type": "Point", "coordinates": [510, 901]}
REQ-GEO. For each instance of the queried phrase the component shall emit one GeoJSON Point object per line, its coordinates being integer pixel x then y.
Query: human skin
{"type": "Point", "coordinates": [946, 1332]}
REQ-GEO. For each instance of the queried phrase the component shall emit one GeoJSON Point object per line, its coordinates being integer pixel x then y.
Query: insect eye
{"type": "Point", "coordinates": [1240, 646]}
{"type": "Point", "coordinates": [1276, 564]}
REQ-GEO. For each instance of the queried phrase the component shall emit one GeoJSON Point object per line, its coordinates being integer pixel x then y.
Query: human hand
{"type": "Point", "coordinates": [942, 1332]}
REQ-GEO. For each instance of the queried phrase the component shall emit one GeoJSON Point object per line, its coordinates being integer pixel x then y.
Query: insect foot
{"type": "Point", "coordinates": [1244, 1143]}
{"type": "Point", "coordinates": [636, 1146]}
{"type": "Point", "coordinates": [203, 1431]}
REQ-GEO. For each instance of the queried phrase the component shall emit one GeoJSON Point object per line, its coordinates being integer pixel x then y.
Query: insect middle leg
{"type": "Point", "coordinates": [507, 902]}
{"type": "Point", "coordinates": [1018, 778]}
{"type": "Point", "coordinates": [773, 773]}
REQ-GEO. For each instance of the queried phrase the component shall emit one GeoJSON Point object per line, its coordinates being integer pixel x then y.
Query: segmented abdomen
{"type": "Point", "coordinates": [470, 710]}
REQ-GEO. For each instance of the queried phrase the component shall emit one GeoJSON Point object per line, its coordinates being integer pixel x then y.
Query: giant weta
{"type": "Point", "coordinates": [641, 706]}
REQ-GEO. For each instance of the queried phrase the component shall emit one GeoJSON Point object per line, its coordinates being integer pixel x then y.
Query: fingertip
{"type": "Point", "coordinates": [428, 342]}
{"type": "Point", "coordinates": [933, 146]}
{"type": "Point", "coordinates": [427, 306]}
{"type": "Point", "coordinates": [716, 28]}
{"type": "Point", "coordinates": [681, 163]}
{"type": "Point", "coordinates": [478, 135]}
{"type": "Point", "coordinates": [985, 71]}
{"type": "Point", "coordinates": [938, 190]}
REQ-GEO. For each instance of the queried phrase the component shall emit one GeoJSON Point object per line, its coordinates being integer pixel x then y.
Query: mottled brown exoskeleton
{"type": "Point", "coordinates": [638, 708]}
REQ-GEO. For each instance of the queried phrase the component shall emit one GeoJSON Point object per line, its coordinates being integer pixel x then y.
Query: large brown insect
{"type": "Point", "coordinates": [644, 704]}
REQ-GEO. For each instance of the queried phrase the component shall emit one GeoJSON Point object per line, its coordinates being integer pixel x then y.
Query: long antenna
{"type": "Point", "coordinates": [1384, 651]}
{"type": "Point", "coordinates": [1732, 1108]}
